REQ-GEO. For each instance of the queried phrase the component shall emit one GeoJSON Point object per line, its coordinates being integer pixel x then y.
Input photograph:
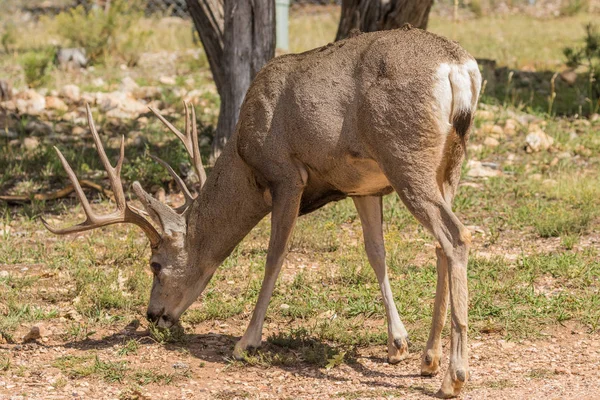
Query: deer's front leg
{"type": "Point", "coordinates": [370, 212]}
{"type": "Point", "coordinates": [286, 203]}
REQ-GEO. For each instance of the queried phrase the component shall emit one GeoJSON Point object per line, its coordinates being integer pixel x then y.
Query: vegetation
{"type": "Point", "coordinates": [588, 56]}
{"type": "Point", "coordinates": [535, 261]}
{"type": "Point", "coordinates": [36, 67]}
{"type": "Point", "coordinates": [114, 32]}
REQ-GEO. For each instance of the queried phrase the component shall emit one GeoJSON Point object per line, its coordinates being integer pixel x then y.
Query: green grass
{"type": "Point", "coordinates": [534, 269]}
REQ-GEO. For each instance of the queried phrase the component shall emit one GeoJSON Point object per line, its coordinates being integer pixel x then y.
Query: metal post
{"type": "Point", "coordinates": [282, 10]}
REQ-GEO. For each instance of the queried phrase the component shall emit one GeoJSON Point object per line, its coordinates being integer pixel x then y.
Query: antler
{"type": "Point", "coordinates": [123, 214]}
{"type": "Point", "coordinates": [190, 141]}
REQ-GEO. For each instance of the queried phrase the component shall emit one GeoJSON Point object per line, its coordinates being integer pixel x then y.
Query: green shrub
{"type": "Point", "coordinates": [114, 32]}
{"type": "Point", "coordinates": [36, 66]}
{"type": "Point", "coordinates": [9, 36]}
{"type": "Point", "coordinates": [588, 56]}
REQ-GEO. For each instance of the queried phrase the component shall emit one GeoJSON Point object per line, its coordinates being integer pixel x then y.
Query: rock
{"type": "Point", "coordinates": [477, 169]}
{"type": "Point", "coordinates": [595, 117]}
{"type": "Point", "coordinates": [36, 332]}
{"type": "Point", "coordinates": [4, 274]}
{"type": "Point", "coordinates": [9, 105]}
{"type": "Point", "coordinates": [98, 82]}
{"type": "Point", "coordinates": [193, 96]}
{"type": "Point", "coordinates": [491, 142]}
{"type": "Point", "coordinates": [491, 129]}
{"type": "Point", "coordinates": [31, 143]}
{"type": "Point", "coordinates": [167, 80]}
{"type": "Point", "coordinates": [41, 128]}
{"type": "Point", "coordinates": [71, 93]}
{"type": "Point", "coordinates": [128, 85]}
{"type": "Point", "coordinates": [484, 115]}
{"type": "Point", "coordinates": [569, 76]}
{"type": "Point", "coordinates": [475, 148]}
{"type": "Point", "coordinates": [581, 123]}
{"type": "Point", "coordinates": [54, 103]}
{"type": "Point", "coordinates": [30, 102]}
{"type": "Point", "coordinates": [78, 130]}
{"type": "Point", "coordinates": [120, 105]}
{"type": "Point", "coordinates": [537, 141]}
{"type": "Point", "coordinates": [180, 365]}
{"type": "Point", "coordinates": [71, 58]}
{"type": "Point", "coordinates": [284, 306]}
{"type": "Point", "coordinates": [510, 127]}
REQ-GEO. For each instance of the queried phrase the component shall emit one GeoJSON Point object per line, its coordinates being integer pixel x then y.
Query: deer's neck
{"type": "Point", "coordinates": [230, 204]}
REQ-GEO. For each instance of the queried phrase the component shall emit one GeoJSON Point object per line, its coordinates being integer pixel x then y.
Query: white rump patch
{"type": "Point", "coordinates": [456, 89]}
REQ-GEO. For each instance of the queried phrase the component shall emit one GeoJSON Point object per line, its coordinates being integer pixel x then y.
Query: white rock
{"type": "Point", "coordinates": [476, 169]}
{"type": "Point", "coordinates": [193, 95]}
{"type": "Point", "coordinates": [284, 306]}
{"type": "Point", "coordinates": [128, 85]}
{"type": "Point", "coordinates": [120, 105]}
{"type": "Point", "coordinates": [31, 143]}
{"type": "Point", "coordinates": [537, 140]}
{"type": "Point", "coordinates": [491, 142]}
{"type": "Point", "coordinates": [511, 126]}
{"type": "Point", "coordinates": [54, 103]}
{"type": "Point", "coordinates": [484, 115]}
{"type": "Point", "coordinates": [30, 102]}
{"type": "Point", "coordinates": [98, 82]}
{"type": "Point", "coordinates": [70, 92]}
{"type": "Point", "coordinates": [167, 80]}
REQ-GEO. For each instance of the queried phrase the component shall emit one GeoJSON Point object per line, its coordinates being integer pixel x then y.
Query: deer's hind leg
{"type": "Point", "coordinates": [370, 212]}
{"type": "Point", "coordinates": [418, 187]}
{"type": "Point", "coordinates": [448, 176]}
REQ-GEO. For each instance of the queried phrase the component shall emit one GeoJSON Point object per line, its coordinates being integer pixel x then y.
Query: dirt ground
{"type": "Point", "coordinates": [565, 366]}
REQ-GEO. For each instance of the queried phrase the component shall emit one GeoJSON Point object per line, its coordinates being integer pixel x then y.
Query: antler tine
{"type": "Point", "coordinates": [190, 139]}
{"type": "Point", "coordinates": [123, 214]}
{"type": "Point", "coordinates": [180, 183]}
{"type": "Point", "coordinates": [113, 172]}
{"type": "Point", "coordinates": [196, 148]}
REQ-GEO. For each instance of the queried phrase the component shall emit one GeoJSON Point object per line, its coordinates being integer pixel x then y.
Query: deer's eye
{"type": "Point", "coordinates": [155, 267]}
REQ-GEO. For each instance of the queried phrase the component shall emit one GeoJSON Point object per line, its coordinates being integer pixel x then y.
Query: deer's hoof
{"type": "Point", "coordinates": [397, 349]}
{"type": "Point", "coordinates": [453, 382]}
{"type": "Point", "coordinates": [430, 363]}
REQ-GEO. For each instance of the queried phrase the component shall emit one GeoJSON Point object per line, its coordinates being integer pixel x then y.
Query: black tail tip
{"type": "Point", "coordinates": [461, 122]}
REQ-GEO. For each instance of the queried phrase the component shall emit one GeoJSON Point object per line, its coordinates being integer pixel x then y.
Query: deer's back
{"type": "Point", "coordinates": [307, 107]}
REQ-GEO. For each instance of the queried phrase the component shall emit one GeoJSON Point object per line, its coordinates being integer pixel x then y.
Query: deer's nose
{"type": "Point", "coordinates": [154, 316]}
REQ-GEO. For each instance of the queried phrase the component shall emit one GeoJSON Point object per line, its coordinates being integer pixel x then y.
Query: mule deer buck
{"type": "Point", "coordinates": [361, 117]}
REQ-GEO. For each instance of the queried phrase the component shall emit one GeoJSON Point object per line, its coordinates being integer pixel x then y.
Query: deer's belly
{"type": "Point", "coordinates": [360, 177]}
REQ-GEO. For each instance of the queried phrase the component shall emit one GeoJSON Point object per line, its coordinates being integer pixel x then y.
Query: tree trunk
{"type": "Point", "coordinates": [239, 38]}
{"type": "Point", "coordinates": [379, 15]}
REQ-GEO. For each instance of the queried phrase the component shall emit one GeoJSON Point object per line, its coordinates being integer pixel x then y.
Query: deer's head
{"type": "Point", "coordinates": [177, 279]}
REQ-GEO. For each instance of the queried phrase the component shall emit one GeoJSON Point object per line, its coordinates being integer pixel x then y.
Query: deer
{"type": "Point", "coordinates": [360, 118]}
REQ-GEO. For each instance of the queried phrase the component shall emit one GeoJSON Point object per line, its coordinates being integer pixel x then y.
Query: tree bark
{"type": "Point", "coordinates": [379, 15]}
{"type": "Point", "coordinates": [239, 38]}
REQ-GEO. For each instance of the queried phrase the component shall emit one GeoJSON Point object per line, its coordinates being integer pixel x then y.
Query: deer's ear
{"type": "Point", "coordinates": [160, 213]}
